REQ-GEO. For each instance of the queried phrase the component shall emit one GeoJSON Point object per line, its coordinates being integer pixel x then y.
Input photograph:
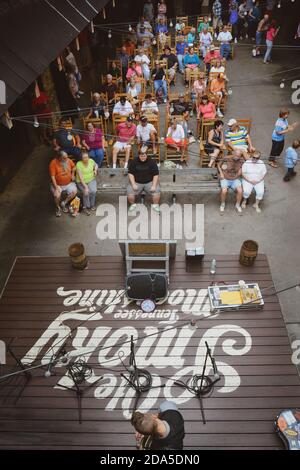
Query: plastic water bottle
{"type": "Point", "coordinates": [213, 266]}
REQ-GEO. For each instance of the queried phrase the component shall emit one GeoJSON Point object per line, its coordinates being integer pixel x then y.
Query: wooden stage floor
{"type": "Point", "coordinates": [251, 348]}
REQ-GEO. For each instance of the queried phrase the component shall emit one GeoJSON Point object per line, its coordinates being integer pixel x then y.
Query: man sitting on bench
{"type": "Point", "coordinates": [230, 172]}
{"type": "Point", "coordinates": [143, 176]}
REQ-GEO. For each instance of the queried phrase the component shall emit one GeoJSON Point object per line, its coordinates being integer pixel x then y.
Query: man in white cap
{"type": "Point", "coordinates": [212, 54]}
{"type": "Point", "coordinates": [237, 138]}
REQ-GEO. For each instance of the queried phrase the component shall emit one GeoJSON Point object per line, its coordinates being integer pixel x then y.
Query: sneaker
{"type": "Point", "coordinates": [244, 204]}
{"type": "Point", "coordinates": [58, 212]}
{"type": "Point", "coordinates": [286, 178]}
{"type": "Point", "coordinates": [219, 113]}
{"type": "Point", "coordinates": [93, 208]}
{"type": "Point", "coordinates": [156, 208]}
{"type": "Point", "coordinates": [132, 207]}
{"type": "Point", "coordinates": [239, 209]}
{"type": "Point", "coordinates": [222, 209]}
{"type": "Point", "coordinates": [86, 211]}
{"type": "Point", "coordinates": [165, 100]}
{"type": "Point", "coordinates": [64, 207]}
{"type": "Point", "coordinates": [257, 208]}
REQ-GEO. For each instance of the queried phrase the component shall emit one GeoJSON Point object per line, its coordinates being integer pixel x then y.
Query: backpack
{"type": "Point", "coordinates": [233, 19]}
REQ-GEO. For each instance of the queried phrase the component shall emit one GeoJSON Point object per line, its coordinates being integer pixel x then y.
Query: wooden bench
{"type": "Point", "coordinates": [175, 181]}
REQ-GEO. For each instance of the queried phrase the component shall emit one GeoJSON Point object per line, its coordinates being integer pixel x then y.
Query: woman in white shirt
{"type": "Point", "coordinates": [206, 40]}
{"type": "Point", "coordinates": [133, 90]}
{"type": "Point", "coordinates": [176, 138]}
{"type": "Point", "coordinates": [253, 173]}
{"type": "Point", "coordinates": [217, 67]}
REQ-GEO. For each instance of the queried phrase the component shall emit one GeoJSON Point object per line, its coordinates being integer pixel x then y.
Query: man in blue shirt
{"type": "Point", "coordinates": [181, 47]}
{"type": "Point", "coordinates": [282, 127]}
{"type": "Point", "coordinates": [291, 158]}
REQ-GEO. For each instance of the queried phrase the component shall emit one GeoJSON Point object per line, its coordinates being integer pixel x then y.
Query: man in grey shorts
{"type": "Point", "coordinates": [143, 175]}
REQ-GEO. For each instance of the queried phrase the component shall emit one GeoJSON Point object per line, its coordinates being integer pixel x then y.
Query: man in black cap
{"type": "Point", "coordinates": [143, 175]}
{"type": "Point", "coordinates": [123, 107]}
{"type": "Point", "coordinates": [146, 135]}
{"type": "Point", "coordinates": [162, 431]}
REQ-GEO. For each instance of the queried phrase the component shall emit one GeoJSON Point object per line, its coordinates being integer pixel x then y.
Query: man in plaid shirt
{"type": "Point", "coordinates": [217, 13]}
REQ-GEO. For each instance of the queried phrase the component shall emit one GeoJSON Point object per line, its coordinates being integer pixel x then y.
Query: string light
{"type": "Point", "coordinates": [282, 84]}
{"type": "Point", "coordinates": [171, 24]}
{"type": "Point", "coordinates": [130, 28]}
{"type": "Point", "coordinates": [36, 122]}
{"type": "Point", "coordinates": [154, 42]}
{"type": "Point", "coordinates": [279, 5]}
{"type": "Point", "coordinates": [229, 91]}
{"type": "Point", "coordinates": [109, 34]}
{"type": "Point", "coordinates": [92, 27]}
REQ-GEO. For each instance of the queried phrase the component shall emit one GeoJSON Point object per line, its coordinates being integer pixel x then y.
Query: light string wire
{"type": "Point", "coordinates": [262, 5]}
{"type": "Point", "coordinates": [241, 83]}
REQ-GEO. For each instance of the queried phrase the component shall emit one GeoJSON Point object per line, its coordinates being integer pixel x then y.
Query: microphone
{"type": "Point", "coordinates": [48, 371]}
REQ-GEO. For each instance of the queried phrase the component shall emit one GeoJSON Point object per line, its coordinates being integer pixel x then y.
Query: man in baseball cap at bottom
{"type": "Point", "coordinates": [143, 175]}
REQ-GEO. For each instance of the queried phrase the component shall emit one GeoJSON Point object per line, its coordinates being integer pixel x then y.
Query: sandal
{"type": "Point", "coordinates": [272, 164]}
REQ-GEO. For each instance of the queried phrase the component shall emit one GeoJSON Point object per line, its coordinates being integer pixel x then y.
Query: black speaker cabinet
{"type": "Point", "coordinates": [144, 286]}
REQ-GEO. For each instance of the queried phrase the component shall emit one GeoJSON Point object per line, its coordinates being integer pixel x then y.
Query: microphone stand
{"type": "Point", "coordinates": [135, 375]}
{"type": "Point", "coordinates": [206, 383]}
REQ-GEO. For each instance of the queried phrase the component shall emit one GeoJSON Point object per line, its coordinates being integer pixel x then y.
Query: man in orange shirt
{"type": "Point", "coordinates": [62, 174]}
{"type": "Point", "coordinates": [217, 88]}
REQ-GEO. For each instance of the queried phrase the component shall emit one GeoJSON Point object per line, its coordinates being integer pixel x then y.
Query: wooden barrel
{"type": "Point", "coordinates": [77, 255]}
{"type": "Point", "coordinates": [248, 252]}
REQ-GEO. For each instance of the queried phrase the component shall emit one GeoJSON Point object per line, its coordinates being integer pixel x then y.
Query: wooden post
{"type": "Point", "coordinates": [77, 255]}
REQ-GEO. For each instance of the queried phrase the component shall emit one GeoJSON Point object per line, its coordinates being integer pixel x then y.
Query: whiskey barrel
{"type": "Point", "coordinates": [248, 252]}
{"type": "Point", "coordinates": [77, 255]}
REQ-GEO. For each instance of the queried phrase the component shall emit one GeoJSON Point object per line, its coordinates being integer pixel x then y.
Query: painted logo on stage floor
{"type": "Point", "coordinates": [166, 345]}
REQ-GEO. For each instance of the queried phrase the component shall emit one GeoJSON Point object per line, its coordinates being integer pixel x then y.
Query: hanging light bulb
{"type": "Point", "coordinates": [230, 91]}
{"type": "Point", "coordinates": [282, 84]}
{"type": "Point", "coordinates": [109, 34]}
{"type": "Point", "coordinates": [171, 24]}
{"type": "Point", "coordinates": [36, 122]}
{"type": "Point", "coordinates": [292, 1]}
{"type": "Point", "coordinates": [279, 4]}
{"type": "Point", "coordinates": [130, 28]}
{"type": "Point", "coordinates": [193, 325]}
{"type": "Point", "coordinates": [92, 27]}
{"type": "Point", "coordinates": [154, 42]}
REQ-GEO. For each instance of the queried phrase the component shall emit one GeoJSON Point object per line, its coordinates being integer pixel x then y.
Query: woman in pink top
{"type": "Point", "coordinates": [206, 109]}
{"type": "Point", "coordinates": [135, 71]}
{"type": "Point", "coordinates": [198, 89]}
{"type": "Point", "coordinates": [93, 141]}
{"type": "Point", "coordinates": [271, 34]}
